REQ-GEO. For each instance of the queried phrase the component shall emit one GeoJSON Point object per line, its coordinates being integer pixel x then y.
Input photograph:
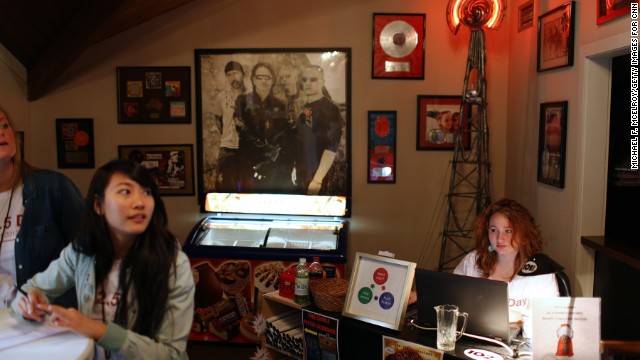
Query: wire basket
{"type": "Point", "coordinates": [330, 294]}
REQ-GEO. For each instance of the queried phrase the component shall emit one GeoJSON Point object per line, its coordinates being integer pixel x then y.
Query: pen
{"type": "Point", "coordinates": [27, 296]}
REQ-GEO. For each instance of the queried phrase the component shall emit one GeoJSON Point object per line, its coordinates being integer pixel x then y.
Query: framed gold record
{"type": "Point", "coordinates": [398, 46]}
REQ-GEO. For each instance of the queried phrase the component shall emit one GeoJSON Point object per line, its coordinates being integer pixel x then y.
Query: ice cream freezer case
{"type": "Point", "coordinates": [234, 261]}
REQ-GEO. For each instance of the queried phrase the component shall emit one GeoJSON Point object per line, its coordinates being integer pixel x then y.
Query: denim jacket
{"type": "Point", "coordinates": [73, 268]}
{"type": "Point", "coordinates": [52, 206]}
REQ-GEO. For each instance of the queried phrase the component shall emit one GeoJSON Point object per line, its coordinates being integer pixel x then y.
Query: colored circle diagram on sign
{"type": "Point", "coordinates": [385, 299]}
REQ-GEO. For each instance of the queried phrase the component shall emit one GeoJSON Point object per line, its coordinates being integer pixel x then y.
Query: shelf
{"type": "Point", "coordinates": [283, 300]}
{"type": "Point", "coordinates": [615, 249]}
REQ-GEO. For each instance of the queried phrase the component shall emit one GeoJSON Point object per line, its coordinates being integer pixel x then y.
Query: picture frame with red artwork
{"type": "Point", "coordinates": [607, 10]}
{"type": "Point", "coordinates": [382, 164]}
{"type": "Point", "coordinates": [75, 143]}
{"type": "Point", "coordinates": [440, 123]}
{"type": "Point", "coordinates": [398, 46]}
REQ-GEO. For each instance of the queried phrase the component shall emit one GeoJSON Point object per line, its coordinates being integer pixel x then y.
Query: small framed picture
{"type": "Point", "coordinates": [171, 166]}
{"type": "Point", "coordinates": [381, 128]}
{"type": "Point", "coordinates": [608, 10]}
{"type": "Point", "coordinates": [379, 290]}
{"type": "Point", "coordinates": [398, 46]}
{"type": "Point", "coordinates": [440, 121]}
{"type": "Point", "coordinates": [555, 37]}
{"type": "Point", "coordinates": [552, 143]}
{"type": "Point", "coordinates": [75, 143]}
{"type": "Point", "coordinates": [154, 95]}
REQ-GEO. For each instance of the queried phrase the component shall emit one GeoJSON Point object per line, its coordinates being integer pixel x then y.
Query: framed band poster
{"type": "Point", "coordinates": [398, 46]}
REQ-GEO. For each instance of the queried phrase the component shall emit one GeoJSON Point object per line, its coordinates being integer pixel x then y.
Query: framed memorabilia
{"type": "Point", "coordinates": [154, 95]}
{"type": "Point", "coordinates": [398, 46]}
{"type": "Point", "coordinates": [171, 166]}
{"type": "Point", "coordinates": [608, 10]}
{"type": "Point", "coordinates": [440, 122]}
{"type": "Point", "coordinates": [75, 143]}
{"type": "Point", "coordinates": [381, 128]}
{"type": "Point", "coordinates": [552, 143]}
{"type": "Point", "coordinates": [379, 290]}
{"type": "Point", "coordinates": [555, 37]}
{"type": "Point", "coordinates": [305, 114]}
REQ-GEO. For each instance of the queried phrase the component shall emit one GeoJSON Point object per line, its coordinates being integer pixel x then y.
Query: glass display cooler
{"type": "Point", "coordinates": [237, 257]}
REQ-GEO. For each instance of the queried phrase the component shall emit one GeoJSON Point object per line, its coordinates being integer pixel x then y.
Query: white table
{"type": "Point", "coordinates": [60, 346]}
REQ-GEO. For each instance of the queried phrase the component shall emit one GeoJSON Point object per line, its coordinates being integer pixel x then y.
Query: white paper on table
{"type": "Point", "coordinates": [555, 317]}
{"type": "Point", "coordinates": [15, 331]}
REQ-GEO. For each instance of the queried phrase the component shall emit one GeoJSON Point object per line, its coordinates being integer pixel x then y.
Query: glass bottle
{"type": "Point", "coordinates": [316, 272]}
{"type": "Point", "coordinates": [301, 291]}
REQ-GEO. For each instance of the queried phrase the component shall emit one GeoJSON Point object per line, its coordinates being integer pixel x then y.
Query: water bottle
{"type": "Point", "coordinates": [301, 291]}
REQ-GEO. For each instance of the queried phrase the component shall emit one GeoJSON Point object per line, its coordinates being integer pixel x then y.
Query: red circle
{"type": "Point", "coordinates": [380, 276]}
{"type": "Point", "coordinates": [81, 138]}
{"type": "Point", "coordinates": [382, 126]}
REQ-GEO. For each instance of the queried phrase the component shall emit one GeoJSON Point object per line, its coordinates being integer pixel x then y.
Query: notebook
{"type": "Point", "coordinates": [486, 302]}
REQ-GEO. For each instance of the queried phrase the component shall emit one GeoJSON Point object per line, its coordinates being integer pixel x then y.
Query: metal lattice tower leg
{"type": "Point", "coordinates": [469, 188]}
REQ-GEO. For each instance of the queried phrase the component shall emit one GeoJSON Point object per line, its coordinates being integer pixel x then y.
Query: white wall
{"type": "Point", "coordinates": [578, 209]}
{"type": "Point", "coordinates": [400, 218]}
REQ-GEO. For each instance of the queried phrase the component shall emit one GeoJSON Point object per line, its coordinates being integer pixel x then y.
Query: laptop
{"type": "Point", "coordinates": [486, 302]}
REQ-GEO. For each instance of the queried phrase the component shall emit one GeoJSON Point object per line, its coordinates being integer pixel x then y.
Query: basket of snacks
{"type": "Point", "coordinates": [329, 294]}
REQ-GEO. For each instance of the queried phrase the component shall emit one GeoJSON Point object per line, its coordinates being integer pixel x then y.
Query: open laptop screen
{"type": "Point", "coordinates": [486, 301]}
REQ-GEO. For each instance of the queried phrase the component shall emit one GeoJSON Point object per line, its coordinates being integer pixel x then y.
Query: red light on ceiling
{"type": "Point", "coordinates": [475, 14]}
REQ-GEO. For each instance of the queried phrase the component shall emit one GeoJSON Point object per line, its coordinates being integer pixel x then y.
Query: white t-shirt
{"type": "Point", "coordinates": [109, 297]}
{"type": "Point", "coordinates": [7, 253]}
{"type": "Point", "coordinates": [521, 289]}
{"type": "Point", "coordinates": [225, 106]}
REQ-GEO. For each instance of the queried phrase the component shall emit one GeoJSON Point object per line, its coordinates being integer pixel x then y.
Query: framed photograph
{"type": "Point", "coordinates": [75, 143]}
{"type": "Point", "coordinates": [555, 37]}
{"type": "Point", "coordinates": [398, 46]}
{"type": "Point", "coordinates": [552, 143]}
{"type": "Point", "coordinates": [608, 10]}
{"type": "Point", "coordinates": [440, 122]}
{"type": "Point", "coordinates": [296, 141]}
{"type": "Point", "coordinates": [154, 95]}
{"type": "Point", "coordinates": [381, 128]}
{"type": "Point", "coordinates": [379, 290]}
{"type": "Point", "coordinates": [171, 166]}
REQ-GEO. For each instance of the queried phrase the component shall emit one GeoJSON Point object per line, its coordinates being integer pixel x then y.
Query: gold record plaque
{"type": "Point", "coordinates": [398, 46]}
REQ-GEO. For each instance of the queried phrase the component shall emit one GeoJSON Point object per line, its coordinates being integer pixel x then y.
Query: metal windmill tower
{"type": "Point", "coordinates": [469, 183]}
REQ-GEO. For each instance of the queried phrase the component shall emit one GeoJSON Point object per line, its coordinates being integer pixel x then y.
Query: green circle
{"type": "Point", "coordinates": [365, 295]}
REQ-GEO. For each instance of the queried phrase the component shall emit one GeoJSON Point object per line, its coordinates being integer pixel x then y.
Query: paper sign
{"type": "Point", "coordinates": [566, 328]}
{"type": "Point", "coordinates": [397, 349]}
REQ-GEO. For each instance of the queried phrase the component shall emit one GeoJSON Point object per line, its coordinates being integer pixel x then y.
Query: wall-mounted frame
{"type": "Point", "coordinates": [398, 46]}
{"type": "Point", "coordinates": [171, 166]}
{"type": "Point", "coordinates": [379, 290]}
{"type": "Point", "coordinates": [552, 139]}
{"type": "Point", "coordinates": [439, 121]}
{"type": "Point", "coordinates": [75, 143]}
{"type": "Point", "coordinates": [555, 37]}
{"type": "Point", "coordinates": [382, 164]}
{"type": "Point", "coordinates": [306, 111]}
{"type": "Point", "coordinates": [608, 10]}
{"type": "Point", "coordinates": [154, 95]}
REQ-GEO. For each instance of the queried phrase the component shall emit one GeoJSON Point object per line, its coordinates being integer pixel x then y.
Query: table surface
{"type": "Point", "coordinates": [65, 345]}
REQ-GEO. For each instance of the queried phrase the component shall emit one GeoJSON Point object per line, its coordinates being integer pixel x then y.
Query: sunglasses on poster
{"type": "Point", "coordinates": [263, 77]}
{"type": "Point", "coordinates": [312, 79]}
